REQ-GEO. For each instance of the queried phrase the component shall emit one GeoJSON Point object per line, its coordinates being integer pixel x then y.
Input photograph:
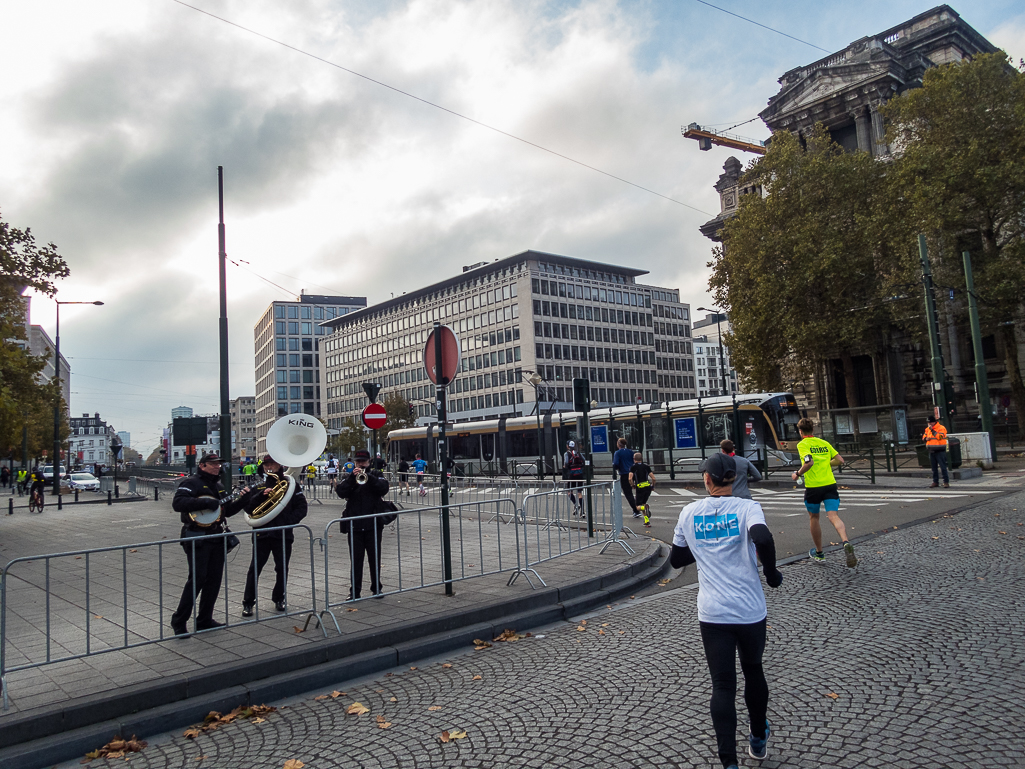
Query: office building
{"type": "Point", "coordinates": [89, 441]}
{"type": "Point", "coordinates": [714, 371]}
{"type": "Point", "coordinates": [125, 437]}
{"type": "Point", "coordinates": [181, 412]}
{"type": "Point", "coordinates": [558, 316]}
{"type": "Point", "coordinates": [287, 344]}
{"type": "Point", "coordinates": [243, 426]}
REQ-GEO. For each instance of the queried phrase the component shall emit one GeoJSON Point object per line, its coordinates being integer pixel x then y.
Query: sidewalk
{"type": "Point", "coordinates": [59, 698]}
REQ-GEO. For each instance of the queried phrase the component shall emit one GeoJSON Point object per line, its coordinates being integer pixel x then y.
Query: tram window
{"type": "Point", "coordinates": [465, 447]}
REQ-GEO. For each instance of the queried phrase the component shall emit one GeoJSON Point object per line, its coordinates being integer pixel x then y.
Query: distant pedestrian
{"type": "Point", "coordinates": [379, 463]}
{"type": "Point", "coordinates": [726, 536]}
{"type": "Point", "coordinates": [643, 480]}
{"type": "Point", "coordinates": [622, 461]}
{"type": "Point", "coordinates": [5, 477]}
{"type": "Point", "coordinates": [818, 459]}
{"type": "Point", "coordinates": [573, 474]}
{"type": "Point", "coordinates": [404, 476]}
{"type": "Point", "coordinates": [22, 480]}
{"type": "Point", "coordinates": [332, 470]}
{"type": "Point", "coordinates": [745, 469]}
{"type": "Point", "coordinates": [935, 438]}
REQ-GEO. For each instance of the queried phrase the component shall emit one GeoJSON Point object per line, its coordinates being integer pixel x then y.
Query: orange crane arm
{"type": "Point", "coordinates": [706, 139]}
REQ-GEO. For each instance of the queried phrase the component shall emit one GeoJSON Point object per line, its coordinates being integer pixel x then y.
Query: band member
{"type": "Point", "coordinates": [276, 543]}
{"type": "Point", "coordinates": [197, 494]}
{"type": "Point", "coordinates": [364, 533]}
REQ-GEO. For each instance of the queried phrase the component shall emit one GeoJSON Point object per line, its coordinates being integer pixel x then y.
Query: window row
{"type": "Point", "coordinates": [487, 401]}
{"type": "Point", "coordinates": [674, 364]}
{"type": "Point", "coordinates": [588, 293]}
{"type": "Point", "coordinates": [586, 312]}
{"type": "Point", "coordinates": [309, 312]}
{"type": "Point", "coordinates": [592, 334]}
{"type": "Point", "coordinates": [306, 376]}
{"type": "Point", "coordinates": [296, 360]}
{"type": "Point", "coordinates": [313, 409]}
{"type": "Point", "coordinates": [672, 329]}
{"type": "Point", "coordinates": [307, 328]}
{"type": "Point", "coordinates": [282, 344]}
{"type": "Point", "coordinates": [298, 393]}
{"type": "Point", "coordinates": [595, 354]}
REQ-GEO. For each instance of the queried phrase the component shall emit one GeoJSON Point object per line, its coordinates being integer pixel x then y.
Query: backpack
{"type": "Point", "coordinates": [575, 467]}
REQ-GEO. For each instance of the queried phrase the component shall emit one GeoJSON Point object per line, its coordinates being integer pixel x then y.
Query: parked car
{"type": "Point", "coordinates": [48, 471]}
{"type": "Point", "coordinates": [84, 482]}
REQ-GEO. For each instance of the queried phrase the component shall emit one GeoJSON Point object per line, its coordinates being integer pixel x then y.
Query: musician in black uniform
{"type": "Point", "coordinates": [197, 494]}
{"type": "Point", "coordinates": [364, 534]}
{"type": "Point", "coordinates": [276, 543]}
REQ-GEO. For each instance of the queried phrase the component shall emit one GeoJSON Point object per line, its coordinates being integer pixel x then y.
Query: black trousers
{"type": "Point", "coordinates": [205, 572]}
{"type": "Point", "coordinates": [642, 497]}
{"type": "Point", "coordinates": [722, 642]}
{"type": "Point", "coordinates": [278, 544]}
{"type": "Point", "coordinates": [365, 544]}
{"type": "Point", "coordinates": [938, 459]}
{"type": "Point", "coordinates": [628, 492]}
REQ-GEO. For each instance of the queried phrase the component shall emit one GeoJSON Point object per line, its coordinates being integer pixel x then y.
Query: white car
{"type": "Point", "coordinates": [48, 472]}
{"type": "Point", "coordinates": [84, 482]}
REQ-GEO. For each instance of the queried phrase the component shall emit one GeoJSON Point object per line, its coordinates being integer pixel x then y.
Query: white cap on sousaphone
{"type": "Point", "coordinates": [296, 440]}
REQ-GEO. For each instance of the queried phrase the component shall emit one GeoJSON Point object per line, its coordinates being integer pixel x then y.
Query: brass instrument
{"type": "Point", "coordinates": [293, 441]}
{"type": "Point", "coordinates": [361, 476]}
{"type": "Point", "coordinates": [281, 488]}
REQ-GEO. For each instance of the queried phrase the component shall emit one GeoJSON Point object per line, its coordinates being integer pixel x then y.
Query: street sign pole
{"type": "Point", "coordinates": [981, 377]}
{"type": "Point", "coordinates": [446, 535]}
{"type": "Point", "coordinates": [939, 401]}
{"type": "Point", "coordinates": [225, 416]}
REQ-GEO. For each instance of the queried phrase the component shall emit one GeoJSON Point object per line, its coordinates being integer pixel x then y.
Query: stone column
{"type": "Point", "coordinates": [879, 146]}
{"type": "Point", "coordinates": [861, 123]}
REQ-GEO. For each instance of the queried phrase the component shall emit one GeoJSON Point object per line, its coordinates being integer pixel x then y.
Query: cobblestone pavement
{"type": "Point", "coordinates": [913, 660]}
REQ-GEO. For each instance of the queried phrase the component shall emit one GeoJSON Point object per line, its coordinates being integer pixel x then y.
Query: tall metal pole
{"type": "Point", "coordinates": [225, 405]}
{"type": "Point", "coordinates": [981, 378]}
{"type": "Point", "coordinates": [57, 407]}
{"type": "Point", "coordinates": [671, 430]}
{"type": "Point", "coordinates": [722, 358]}
{"type": "Point", "coordinates": [939, 402]}
{"type": "Point", "coordinates": [446, 535]}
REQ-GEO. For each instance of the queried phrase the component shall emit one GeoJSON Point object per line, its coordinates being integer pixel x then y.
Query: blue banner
{"type": "Point", "coordinates": [599, 438]}
{"type": "Point", "coordinates": [686, 433]}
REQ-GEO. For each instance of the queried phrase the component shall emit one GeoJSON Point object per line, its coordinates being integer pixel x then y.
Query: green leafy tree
{"type": "Point", "coordinates": [397, 408]}
{"type": "Point", "coordinates": [23, 399]}
{"type": "Point", "coordinates": [352, 433]}
{"type": "Point", "coordinates": [960, 170]}
{"type": "Point", "coordinates": [804, 267]}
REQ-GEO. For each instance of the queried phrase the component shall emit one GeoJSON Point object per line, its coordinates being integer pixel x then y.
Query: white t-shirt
{"type": "Point", "coordinates": [716, 530]}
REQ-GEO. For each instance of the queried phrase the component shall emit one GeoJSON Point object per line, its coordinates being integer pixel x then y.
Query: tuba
{"type": "Point", "coordinates": [293, 441]}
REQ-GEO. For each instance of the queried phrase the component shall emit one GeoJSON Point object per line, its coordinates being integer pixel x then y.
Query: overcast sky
{"type": "Point", "coordinates": [115, 116]}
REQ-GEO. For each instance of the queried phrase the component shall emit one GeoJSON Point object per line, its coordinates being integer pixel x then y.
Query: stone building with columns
{"type": "Point", "coordinates": [843, 92]}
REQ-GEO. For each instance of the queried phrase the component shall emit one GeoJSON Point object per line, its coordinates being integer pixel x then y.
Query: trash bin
{"type": "Point", "coordinates": [923, 455]}
{"type": "Point", "coordinates": [953, 452]}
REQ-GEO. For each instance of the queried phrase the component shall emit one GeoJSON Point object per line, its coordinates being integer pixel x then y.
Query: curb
{"type": "Point", "coordinates": [47, 736]}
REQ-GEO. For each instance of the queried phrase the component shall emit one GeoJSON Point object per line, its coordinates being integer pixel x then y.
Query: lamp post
{"type": "Point", "coordinates": [57, 400]}
{"type": "Point", "coordinates": [534, 380]}
{"type": "Point", "coordinates": [722, 361]}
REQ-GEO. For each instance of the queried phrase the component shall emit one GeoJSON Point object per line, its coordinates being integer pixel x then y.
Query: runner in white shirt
{"type": "Point", "coordinates": [725, 536]}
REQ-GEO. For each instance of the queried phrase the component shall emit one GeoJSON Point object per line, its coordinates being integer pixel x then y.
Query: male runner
{"type": "Point", "coordinates": [643, 481]}
{"type": "Point", "coordinates": [818, 459]}
{"type": "Point", "coordinates": [727, 536]}
{"type": "Point", "coordinates": [420, 466]}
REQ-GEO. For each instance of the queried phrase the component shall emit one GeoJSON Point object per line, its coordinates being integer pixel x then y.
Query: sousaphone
{"type": "Point", "coordinates": [293, 441]}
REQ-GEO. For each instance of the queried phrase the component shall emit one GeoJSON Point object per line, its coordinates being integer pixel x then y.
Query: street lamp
{"type": "Point", "coordinates": [57, 401]}
{"type": "Point", "coordinates": [722, 360]}
{"type": "Point", "coordinates": [534, 380]}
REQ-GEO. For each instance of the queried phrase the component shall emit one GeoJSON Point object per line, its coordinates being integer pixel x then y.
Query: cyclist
{"type": "Point", "coordinates": [36, 489]}
{"type": "Point", "coordinates": [420, 467]}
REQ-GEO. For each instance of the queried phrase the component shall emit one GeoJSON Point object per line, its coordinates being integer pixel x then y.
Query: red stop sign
{"type": "Point", "coordinates": [374, 416]}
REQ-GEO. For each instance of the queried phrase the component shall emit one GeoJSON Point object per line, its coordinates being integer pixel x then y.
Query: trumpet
{"type": "Point", "coordinates": [361, 476]}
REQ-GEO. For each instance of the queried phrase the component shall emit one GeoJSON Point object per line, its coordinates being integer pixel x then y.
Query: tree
{"type": "Point", "coordinates": [399, 416]}
{"type": "Point", "coordinates": [961, 168]}
{"type": "Point", "coordinates": [23, 399]}
{"type": "Point", "coordinates": [804, 267]}
{"type": "Point", "coordinates": [352, 434]}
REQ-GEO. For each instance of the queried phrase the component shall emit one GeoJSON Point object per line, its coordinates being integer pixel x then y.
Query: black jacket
{"type": "Point", "coordinates": [364, 500]}
{"type": "Point", "coordinates": [198, 493]}
{"type": "Point", "coordinates": [294, 511]}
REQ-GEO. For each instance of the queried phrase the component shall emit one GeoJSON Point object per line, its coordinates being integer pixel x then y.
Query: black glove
{"type": "Point", "coordinates": [211, 503]}
{"type": "Point", "coordinates": [774, 578]}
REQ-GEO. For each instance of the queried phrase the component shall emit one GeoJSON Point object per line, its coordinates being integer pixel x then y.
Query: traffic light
{"type": "Point", "coordinates": [412, 411]}
{"type": "Point", "coordinates": [581, 395]}
{"type": "Point", "coordinates": [115, 447]}
{"type": "Point", "coordinates": [948, 397]}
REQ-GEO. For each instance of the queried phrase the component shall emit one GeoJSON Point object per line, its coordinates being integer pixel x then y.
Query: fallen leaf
{"type": "Point", "coordinates": [383, 724]}
{"type": "Point", "coordinates": [357, 709]}
{"type": "Point", "coordinates": [191, 733]}
{"type": "Point", "coordinates": [443, 737]}
{"type": "Point", "coordinates": [935, 537]}
{"type": "Point", "coordinates": [583, 622]}
{"type": "Point", "coordinates": [413, 668]}
{"type": "Point", "coordinates": [605, 624]}
{"type": "Point", "coordinates": [508, 635]}
{"type": "Point", "coordinates": [78, 558]}
{"type": "Point", "coordinates": [394, 699]}
{"type": "Point", "coordinates": [1003, 532]}
{"type": "Point", "coordinates": [434, 707]}
{"type": "Point", "coordinates": [581, 628]}
{"type": "Point", "coordinates": [476, 678]}
{"type": "Point", "coordinates": [457, 734]}
{"type": "Point", "coordinates": [200, 758]}
{"type": "Point", "coordinates": [118, 747]}
{"type": "Point", "coordinates": [298, 629]}
{"type": "Point", "coordinates": [833, 695]}
{"type": "Point", "coordinates": [336, 694]}
{"type": "Point", "coordinates": [294, 763]}
{"type": "Point", "coordinates": [446, 664]}
{"type": "Point", "coordinates": [97, 616]}
{"type": "Point", "coordinates": [622, 632]}
{"type": "Point", "coordinates": [479, 644]}
{"type": "Point", "coordinates": [321, 697]}
{"type": "Point", "coordinates": [259, 720]}
{"type": "Point", "coordinates": [601, 632]}
{"type": "Point", "coordinates": [351, 609]}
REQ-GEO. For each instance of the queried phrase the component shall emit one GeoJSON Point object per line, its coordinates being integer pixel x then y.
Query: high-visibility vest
{"type": "Point", "coordinates": [935, 436]}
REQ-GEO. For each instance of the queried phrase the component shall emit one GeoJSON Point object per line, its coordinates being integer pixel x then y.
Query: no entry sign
{"type": "Point", "coordinates": [449, 355]}
{"type": "Point", "coordinates": [374, 416]}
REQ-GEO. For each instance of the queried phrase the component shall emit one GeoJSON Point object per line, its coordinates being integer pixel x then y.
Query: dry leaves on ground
{"type": "Point", "coordinates": [833, 695]}
{"type": "Point", "coordinates": [434, 707]}
{"type": "Point", "coordinates": [510, 636]}
{"type": "Point", "coordinates": [446, 664]}
{"type": "Point", "coordinates": [394, 699]}
{"type": "Point", "coordinates": [298, 629]}
{"type": "Point", "coordinates": [478, 644]}
{"type": "Point", "coordinates": [476, 678]}
{"type": "Point", "coordinates": [453, 734]}
{"type": "Point", "coordinates": [215, 720]}
{"type": "Point", "coordinates": [381, 723]}
{"type": "Point", "coordinates": [116, 748]}
{"type": "Point", "coordinates": [357, 709]}
{"type": "Point", "coordinates": [294, 763]}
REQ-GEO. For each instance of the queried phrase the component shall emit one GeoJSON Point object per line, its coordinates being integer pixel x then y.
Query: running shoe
{"type": "Point", "coordinates": [816, 555]}
{"type": "Point", "coordinates": [852, 559]}
{"type": "Point", "coordinates": [637, 515]}
{"type": "Point", "coordinates": [758, 749]}
{"type": "Point", "coordinates": [647, 519]}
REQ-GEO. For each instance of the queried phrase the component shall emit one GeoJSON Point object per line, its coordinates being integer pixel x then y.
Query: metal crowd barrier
{"type": "Point", "coordinates": [88, 619]}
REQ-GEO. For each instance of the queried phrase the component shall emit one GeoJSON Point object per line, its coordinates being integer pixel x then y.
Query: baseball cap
{"type": "Point", "coordinates": [572, 444]}
{"type": "Point", "coordinates": [361, 454]}
{"type": "Point", "coordinates": [210, 456]}
{"type": "Point", "coordinates": [933, 418]}
{"type": "Point", "coordinates": [721, 467]}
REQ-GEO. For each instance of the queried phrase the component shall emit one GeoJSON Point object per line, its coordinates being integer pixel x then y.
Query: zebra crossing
{"type": "Point", "coordinates": [791, 501]}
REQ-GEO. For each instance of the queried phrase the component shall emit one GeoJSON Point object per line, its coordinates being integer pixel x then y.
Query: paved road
{"type": "Point", "coordinates": [913, 660]}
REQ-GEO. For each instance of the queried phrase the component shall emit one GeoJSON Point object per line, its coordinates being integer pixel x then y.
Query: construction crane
{"type": "Point", "coordinates": [706, 138]}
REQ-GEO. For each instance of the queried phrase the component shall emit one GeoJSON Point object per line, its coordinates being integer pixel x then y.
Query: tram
{"type": "Point", "coordinates": [680, 432]}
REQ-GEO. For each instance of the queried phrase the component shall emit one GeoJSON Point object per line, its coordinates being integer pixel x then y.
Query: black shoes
{"type": "Point", "coordinates": [279, 606]}
{"type": "Point", "coordinates": [182, 631]}
{"type": "Point", "coordinates": [247, 610]}
{"type": "Point", "coordinates": [210, 624]}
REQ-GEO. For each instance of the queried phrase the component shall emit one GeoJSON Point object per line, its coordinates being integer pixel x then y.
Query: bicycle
{"type": "Point", "coordinates": [36, 502]}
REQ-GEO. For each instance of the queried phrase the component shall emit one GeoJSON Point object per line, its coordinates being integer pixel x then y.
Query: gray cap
{"type": "Point", "coordinates": [721, 468]}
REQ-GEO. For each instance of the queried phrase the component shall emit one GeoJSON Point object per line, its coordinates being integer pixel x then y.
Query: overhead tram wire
{"type": "Point", "coordinates": [757, 24]}
{"type": "Point", "coordinates": [451, 111]}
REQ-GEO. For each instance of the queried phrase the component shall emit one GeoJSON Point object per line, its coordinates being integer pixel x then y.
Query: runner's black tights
{"type": "Point", "coordinates": [722, 642]}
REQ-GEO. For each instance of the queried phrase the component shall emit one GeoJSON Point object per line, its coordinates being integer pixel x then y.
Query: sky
{"type": "Point", "coordinates": [116, 114]}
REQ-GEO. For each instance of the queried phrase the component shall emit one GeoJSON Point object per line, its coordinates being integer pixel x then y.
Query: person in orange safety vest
{"type": "Point", "coordinates": [935, 438]}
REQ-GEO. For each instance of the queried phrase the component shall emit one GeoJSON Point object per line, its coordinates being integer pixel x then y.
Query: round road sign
{"type": "Point", "coordinates": [374, 416]}
{"type": "Point", "coordinates": [449, 355]}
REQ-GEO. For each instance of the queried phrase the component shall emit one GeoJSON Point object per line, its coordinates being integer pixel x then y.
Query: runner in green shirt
{"type": "Point", "coordinates": [818, 459]}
